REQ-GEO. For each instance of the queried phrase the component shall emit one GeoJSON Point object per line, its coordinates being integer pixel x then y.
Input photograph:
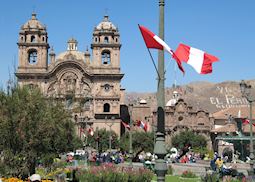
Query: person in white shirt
{"type": "Point", "coordinates": [35, 178]}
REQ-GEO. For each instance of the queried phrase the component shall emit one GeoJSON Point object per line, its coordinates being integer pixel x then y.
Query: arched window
{"type": "Point", "coordinates": [106, 57]}
{"type": "Point", "coordinates": [97, 39]}
{"type": "Point", "coordinates": [116, 40]}
{"type": "Point", "coordinates": [106, 107]}
{"type": "Point", "coordinates": [86, 105]}
{"type": "Point", "coordinates": [32, 38]}
{"type": "Point", "coordinates": [43, 39]}
{"type": "Point", "coordinates": [69, 102]}
{"type": "Point", "coordinates": [106, 40]}
{"type": "Point", "coordinates": [32, 57]}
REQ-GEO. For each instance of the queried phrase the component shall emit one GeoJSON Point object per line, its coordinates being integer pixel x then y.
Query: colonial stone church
{"type": "Point", "coordinates": [180, 116]}
{"type": "Point", "coordinates": [89, 85]}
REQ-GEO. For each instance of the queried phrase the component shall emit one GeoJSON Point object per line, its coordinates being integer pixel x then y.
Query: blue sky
{"type": "Point", "coordinates": [224, 28]}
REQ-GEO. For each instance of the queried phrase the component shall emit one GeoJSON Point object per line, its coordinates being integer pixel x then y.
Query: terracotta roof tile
{"type": "Point", "coordinates": [225, 128]}
{"type": "Point", "coordinates": [224, 114]}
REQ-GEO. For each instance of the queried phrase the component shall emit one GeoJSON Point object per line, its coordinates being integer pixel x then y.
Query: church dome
{"type": "Point", "coordinates": [143, 101]}
{"type": "Point", "coordinates": [33, 24]}
{"type": "Point", "coordinates": [106, 24]}
{"type": "Point", "coordinates": [72, 52]}
{"type": "Point", "coordinates": [72, 40]}
{"type": "Point", "coordinates": [171, 102]}
{"type": "Point", "coordinates": [174, 99]}
{"type": "Point", "coordinates": [70, 55]}
{"type": "Point", "coordinates": [175, 92]}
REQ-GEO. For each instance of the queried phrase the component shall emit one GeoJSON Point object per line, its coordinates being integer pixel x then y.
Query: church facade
{"type": "Point", "coordinates": [88, 85]}
{"type": "Point", "coordinates": [180, 116]}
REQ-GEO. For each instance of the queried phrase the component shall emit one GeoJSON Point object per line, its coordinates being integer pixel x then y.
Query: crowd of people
{"type": "Point", "coordinates": [219, 164]}
{"type": "Point", "coordinates": [185, 155]}
{"type": "Point", "coordinates": [104, 157]}
{"type": "Point", "coordinates": [107, 157]}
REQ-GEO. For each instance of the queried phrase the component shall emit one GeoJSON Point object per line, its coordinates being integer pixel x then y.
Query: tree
{"type": "Point", "coordinates": [142, 141]}
{"type": "Point", "coordinates": [34, 129]}
{"type": "Point", "coordinates": [185, 138]}
{"type": "Point", "coordinates": [101, 137]}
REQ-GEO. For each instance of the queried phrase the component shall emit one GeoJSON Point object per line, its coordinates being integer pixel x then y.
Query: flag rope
{"type": "Point", "coordinates": [169, 62]}
{"type": "Point", "coordinates": [153, 62]}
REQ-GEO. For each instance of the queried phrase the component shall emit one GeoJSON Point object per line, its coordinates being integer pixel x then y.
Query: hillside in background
{"type": "Point", "coordinates": [207, 96]}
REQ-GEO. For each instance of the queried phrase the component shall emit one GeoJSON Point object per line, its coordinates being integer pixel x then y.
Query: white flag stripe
{"type": "Point", "coordinates": [165, 46]}
{"type": "Point", "coordinates": [196, 58]}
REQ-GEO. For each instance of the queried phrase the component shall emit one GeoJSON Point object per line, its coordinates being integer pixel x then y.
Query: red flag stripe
{"type": "Point", "coordinates": [142, 124]}
{"type": "Point", "coordinates": [153, 41]}
{"type": "Point", "coordinates": [247, 121]}
{"type": "Point", "coordinates": [183, 52]}
{"type": "Point", "coordinates": [125, 125]}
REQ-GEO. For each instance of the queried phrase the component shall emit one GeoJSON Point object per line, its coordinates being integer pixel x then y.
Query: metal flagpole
{"type": "Point", "coordinates": [159, 147]}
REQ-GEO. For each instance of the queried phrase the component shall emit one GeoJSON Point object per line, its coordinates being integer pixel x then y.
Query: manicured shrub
{"type": "Point", "coordinates": [188, 174]}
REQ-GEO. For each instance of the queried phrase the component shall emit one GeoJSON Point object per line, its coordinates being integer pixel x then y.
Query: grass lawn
{"type": "Point", "coordinates": [178, 179]}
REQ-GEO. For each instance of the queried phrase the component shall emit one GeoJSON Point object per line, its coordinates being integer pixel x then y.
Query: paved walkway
{"type": "Point", "coordinates": [199, 168]}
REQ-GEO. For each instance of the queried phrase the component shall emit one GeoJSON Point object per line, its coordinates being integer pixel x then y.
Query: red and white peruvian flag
{"type": "Point", "coordinates": [153, 41]}
{"type": "Point", "coordinates": [198, 59]}
{"type": "Point", "coordinates": [247, 121]}
{"type": "Point", "coordinates": [142, 125]}
{"type": "Point", "coordinates": [125, 125]}
{"type": "Point", "coordinates": [91, 131]}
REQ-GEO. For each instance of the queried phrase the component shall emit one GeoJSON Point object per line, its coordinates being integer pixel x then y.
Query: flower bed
{"type": "Point", "coordinates": [109, 173]}
{"type": "Point", "coordinates": [19, 180]}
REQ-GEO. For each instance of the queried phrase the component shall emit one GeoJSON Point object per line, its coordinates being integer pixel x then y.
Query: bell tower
{"type": "Point", "coordinates": [33, 47]}
{"type": "Point", "coordinates": [106, 46]}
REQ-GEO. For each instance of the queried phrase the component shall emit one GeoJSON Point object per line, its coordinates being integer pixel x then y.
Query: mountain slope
{"type": "Point", "coordinates": [208, 96]}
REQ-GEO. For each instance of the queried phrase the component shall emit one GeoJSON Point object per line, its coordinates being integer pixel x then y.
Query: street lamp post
{"type": "Point", "coordinates": [97, 140]}
{"type": "Point", "coordinates": [159, 147]}
{"type": "Point", "coordinates": [110, 136]}
{"type": "Point", "coordinates": [83, 126]}
{"type": "Point", "coordinates": [246, 92]}
{"type": "Point", "coordinates": [130, 135]}
{"type": "Point", "coordinates": [86, 142]}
